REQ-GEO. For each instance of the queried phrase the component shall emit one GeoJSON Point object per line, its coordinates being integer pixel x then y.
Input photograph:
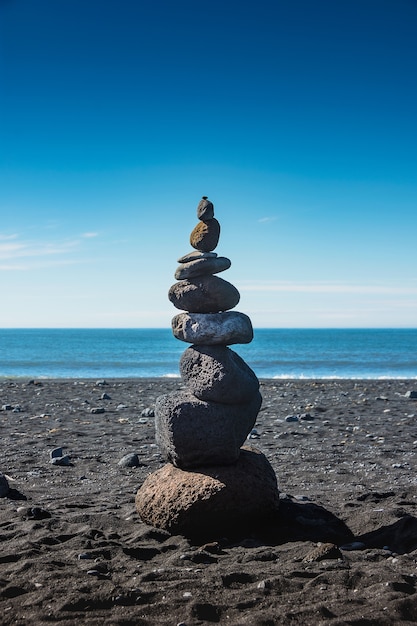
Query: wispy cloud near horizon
{"type": "Point", "coordinates": [331, 288]}
{"type": "Point", "coordinates": [24, 255]}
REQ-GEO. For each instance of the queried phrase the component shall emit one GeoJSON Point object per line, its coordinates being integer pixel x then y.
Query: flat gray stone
{"type": "Point", "coordinates": [218, 374]}
{"type": "Point", "coordinates": [202, 267]}
{"type": "Point", "coordinates": [206, 294]}
{"type": "Point", "coordinates": [205, 235]}
{"type": "Point", "coordinates": [210, 500]}
{"type": "Point", "coordinates": [205, 209]}
{"type": "Point", "coordinates": [191, 432]}
{"type": "Point", "coordinates": [213, 329]}
{"type": "Point", "coordinates": [192, 256]}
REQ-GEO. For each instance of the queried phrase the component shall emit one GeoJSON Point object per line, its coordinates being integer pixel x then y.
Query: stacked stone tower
{"type": "Point", "coordinates": [210, 481]}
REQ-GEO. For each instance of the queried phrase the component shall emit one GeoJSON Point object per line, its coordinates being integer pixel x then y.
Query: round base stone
{"type": "Point", "coordinates": [210, 500]}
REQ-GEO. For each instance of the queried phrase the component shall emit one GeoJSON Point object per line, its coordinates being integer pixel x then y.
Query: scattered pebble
{"type": "Point", "coordinates": [61, 460]}
{"type": "Point", "coordinates": [129, 460]}
{"type": "Point", "coordinates": [96, 410]}
{"type": "Point", "coordinates": [58, 458]}
{"type": "Point", "coordinates": [37, 512]}
{"type": "Point", "coordinates": [323, 551]}
{"type": "Point", "coordinates": [4, 486]}
{"type": "Point", "coordinates": [355, 545]}
{"type": "Point", "coordinates": [56, 453]}
{"type": "Point", "coordinates": [148, 412]}
{"type": "Point", "coordinates": [291, 418]}
{"type": "Point", "coordinates": [307, 417]}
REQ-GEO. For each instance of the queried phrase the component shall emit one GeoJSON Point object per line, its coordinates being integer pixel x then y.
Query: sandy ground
{"type": "Point", "coordinates": [73, 548]}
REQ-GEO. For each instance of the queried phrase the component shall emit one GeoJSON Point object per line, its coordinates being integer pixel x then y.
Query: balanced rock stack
{"type": "Point", "coordinates": [210, 482]}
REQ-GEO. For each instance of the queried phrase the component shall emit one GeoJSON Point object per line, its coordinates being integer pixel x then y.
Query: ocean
{"type": "Point", "coordinates": [274, 353]}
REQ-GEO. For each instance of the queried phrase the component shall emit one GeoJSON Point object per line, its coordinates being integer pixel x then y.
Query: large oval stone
{"type": "Point", "coordinates": [210, 501]}
{"type": "Point", "coordinates": [202, 267]}
{"type": "Point", "coordinates": [205, 235]}
{"type": "Point", "coordinates": [206, 294]}
{"type": "Point", "coordinates": [218, 374]}
{"type": "Point", "coordinates": [213, 329]}
{"type": "Point", "coordinates": [192, 432]}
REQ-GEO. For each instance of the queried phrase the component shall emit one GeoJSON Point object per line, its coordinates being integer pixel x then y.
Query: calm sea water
{"type": "Point", "coordinates": [274, 353]}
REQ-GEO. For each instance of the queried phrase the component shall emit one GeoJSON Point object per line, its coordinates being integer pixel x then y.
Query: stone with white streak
{"type": "Point", "coordinates": [213, 329]}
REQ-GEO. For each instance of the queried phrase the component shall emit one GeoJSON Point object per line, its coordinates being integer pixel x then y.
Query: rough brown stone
{"type": "Point", "coordinates": [218, 374]}
{"type": "Point", "coordinates": [205, 235]}
{"type": "Point", "coordinates": [210, 500]}
{"type": "Point", "coordinates": [206, 294]}
{"type": "Point", "coordinates": [191, 432]}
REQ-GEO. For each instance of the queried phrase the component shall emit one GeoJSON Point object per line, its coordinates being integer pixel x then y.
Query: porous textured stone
{"type": "Point", "coordinates": [205, 209]}
{"type": "Point", "coordinates": [210, 500]}
{"type": "Point", "coordinates": [191, 432]}
{"type": "Point", "coordinates": [205, 294]}
{"type": "Point", "coordinates": [202, 267]}
{"type": "Point", "coordinates": [205, 235]}
{"type": "Point", "coordinates": [213, 329]}
{"type": "Point", "coordinates": [218, 374]}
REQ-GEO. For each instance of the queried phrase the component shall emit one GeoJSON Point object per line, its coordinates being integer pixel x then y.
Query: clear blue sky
{"type": "Point", "coordinates": [297, 118]}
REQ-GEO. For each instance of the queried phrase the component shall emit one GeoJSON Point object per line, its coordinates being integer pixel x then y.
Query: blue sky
{"type": "Point", "coordinates": [298, 120]}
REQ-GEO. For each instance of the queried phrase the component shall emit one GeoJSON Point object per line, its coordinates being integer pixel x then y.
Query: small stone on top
{"type": "Point", "coordinates": [205, 209]}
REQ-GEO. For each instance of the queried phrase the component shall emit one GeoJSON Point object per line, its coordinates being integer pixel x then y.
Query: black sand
{"type": "Point", "coordinates": [73, 548]}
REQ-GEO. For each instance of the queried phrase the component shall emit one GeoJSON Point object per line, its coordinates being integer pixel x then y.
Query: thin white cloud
{"type": "Point", "coordinates": [332, 288]}
{"type": "Point", "coordinates": [89, 235]}
{"type": "Point", "coordinates": [20, 255]}
{"type": "Point", "coordinates": [8, 237]}
{"type": "Point", "coordinates": [263, 220]}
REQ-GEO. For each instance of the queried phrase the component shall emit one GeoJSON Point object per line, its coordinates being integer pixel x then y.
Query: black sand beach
{"type": "Point", "coordinates": [73, 547]}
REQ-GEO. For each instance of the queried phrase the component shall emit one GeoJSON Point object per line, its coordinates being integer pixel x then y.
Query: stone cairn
{"type": "Point", "coordinates": [210, 482]}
